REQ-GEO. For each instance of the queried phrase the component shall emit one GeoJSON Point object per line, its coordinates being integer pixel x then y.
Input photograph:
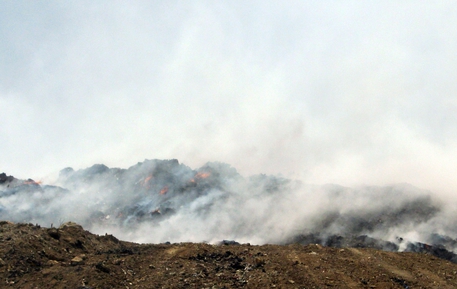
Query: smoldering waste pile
{"type": "Point", "coordinates": [161, 200]}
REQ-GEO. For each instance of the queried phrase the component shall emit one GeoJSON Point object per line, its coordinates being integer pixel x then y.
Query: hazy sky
{"type": "Point", "coordinates": [348, 92]}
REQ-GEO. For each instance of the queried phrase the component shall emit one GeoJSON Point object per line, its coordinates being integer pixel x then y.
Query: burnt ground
{"type": "Point", "coordinates": [70, 257]}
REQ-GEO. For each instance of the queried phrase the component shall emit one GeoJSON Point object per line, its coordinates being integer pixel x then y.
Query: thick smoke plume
{"type": "Point", "coordinates": [163, 200]}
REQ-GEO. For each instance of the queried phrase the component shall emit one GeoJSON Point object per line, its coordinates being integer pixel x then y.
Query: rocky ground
{"type": "Point", "coordinates": [70, 257]}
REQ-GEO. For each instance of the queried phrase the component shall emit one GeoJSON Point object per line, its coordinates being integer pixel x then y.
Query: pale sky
{"type": "Point", "coordinates": [346, 92]}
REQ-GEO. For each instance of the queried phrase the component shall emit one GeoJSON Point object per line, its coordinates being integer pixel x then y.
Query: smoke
{"type": "Point", "coordinates": [349, 93]}
{"type": "Point", "coordinates": [162, 200]}
{"type": "Point", "coordinates": [357, 94]}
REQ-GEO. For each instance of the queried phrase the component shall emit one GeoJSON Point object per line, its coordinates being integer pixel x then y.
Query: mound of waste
{"type": "Point", "coordinates": [156, 201]}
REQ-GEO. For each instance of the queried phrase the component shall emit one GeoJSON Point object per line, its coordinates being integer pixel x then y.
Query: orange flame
{"type": "Point", "coordinates": [32, 182]}
{"type": "Point", "coordinates": [146, 181]}
{"type": "Point", "coordinates": [202, 175]}
{"type": "Point", "coordinates": [164, 190]}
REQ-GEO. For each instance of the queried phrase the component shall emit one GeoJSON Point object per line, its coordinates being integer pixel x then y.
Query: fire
{"type": "Point", "coordinates": [32, 182]}
{"type": "Point", "coordinates": [164, 190]}
{"type": "Point", "coordinates": [202, 175]}
{"type": "Point", "coordinates": [146, 181]}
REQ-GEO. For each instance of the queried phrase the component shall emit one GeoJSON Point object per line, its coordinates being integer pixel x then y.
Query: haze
{"type": "Point", "coordinates": [345, 92]}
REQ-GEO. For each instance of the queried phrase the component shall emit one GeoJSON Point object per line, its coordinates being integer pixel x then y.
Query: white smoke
{"type": "Point", "coordinates": [351, 93]}
{"type": "Point", "coordinates": [158, 201]}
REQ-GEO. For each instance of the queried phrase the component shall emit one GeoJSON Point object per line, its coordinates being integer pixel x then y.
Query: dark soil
{"type": "Point", "coordinates": [70, 257]}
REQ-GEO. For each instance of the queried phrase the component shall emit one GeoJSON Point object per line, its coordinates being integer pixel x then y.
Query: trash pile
{"type": "Point", "coordinates": [156, 201]}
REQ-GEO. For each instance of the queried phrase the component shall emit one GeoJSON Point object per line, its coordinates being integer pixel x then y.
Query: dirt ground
{"type": "Point", "coordinates": [70, 257]}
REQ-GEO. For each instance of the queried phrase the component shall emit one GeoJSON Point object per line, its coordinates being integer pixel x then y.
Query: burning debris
{"type": "Point", "coordinates": [32, 182]}
{"type": "Point", "coordinates": [146, 181]}
{"type": "Point", "coordinates": [164, 190]}
{"type": "Point", "coordinates": [173, 202]}
{"type": "Point", "coordinates": [202, 175]}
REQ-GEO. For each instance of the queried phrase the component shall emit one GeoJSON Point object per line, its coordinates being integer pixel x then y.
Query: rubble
{"type": "Point", "coordinates": [31, 258]}
{"type": "Point", "coordinates": [77, 261]}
